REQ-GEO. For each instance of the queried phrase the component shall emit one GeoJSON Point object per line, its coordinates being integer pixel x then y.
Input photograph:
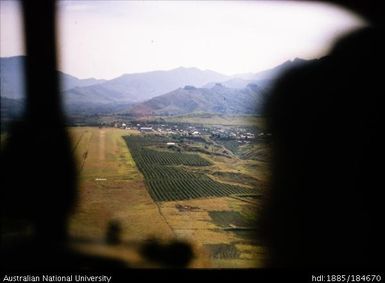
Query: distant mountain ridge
{"type": "Point", "coordinates": [264, 78]}
{"type": "Point", "coordinates": [218, 99]}
{"type": "Point", "coordinates": [143, 86]}
{"type": "Point", "coordinates": [183, 90]}
{"type": "Point", "coordinates": [69, 82]}
{"type": "Point", "coordinates": [12, 78]}
{"type": "Point", "coordinates": [239, 95]}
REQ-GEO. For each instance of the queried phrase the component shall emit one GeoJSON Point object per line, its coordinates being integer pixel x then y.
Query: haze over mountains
{"type": "Point", "coordinates": [130, 88]}
{"type": "Point", "coordinates": [178, 91]}
{"type": "Point", "coordinates": [12, 78]}
{"type": "Point", "coordinates": [69, 82]}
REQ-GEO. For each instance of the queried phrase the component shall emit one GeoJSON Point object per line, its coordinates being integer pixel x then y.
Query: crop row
{"type": "Point", "coordinates": [142, 154]}
{"type": "Point", "coordinates": [157, 172]}
{"type": "Point", "coordinates": [172, 189]}
{"type": "Point", "coordinates": [167, 182]}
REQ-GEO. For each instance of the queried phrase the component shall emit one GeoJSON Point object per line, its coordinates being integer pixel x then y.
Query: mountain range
{"type": "Point", "coordinates": [217, 99]}
{"type": "Point", "coordinates": [263, 78]}
{"type": "Point", "coordinates": [131, 88]}
{"type": "Point", "coordinates": [177, 91]}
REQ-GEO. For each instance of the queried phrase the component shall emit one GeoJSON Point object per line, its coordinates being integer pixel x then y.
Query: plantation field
{"type": "Point", "coordinates": [166, 182]}
{"type": "Point", "coordinates": [114, 186]}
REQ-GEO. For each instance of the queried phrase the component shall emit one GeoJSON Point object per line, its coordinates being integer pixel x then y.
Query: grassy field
{"type": "Point", "coordinates": [112, 188]}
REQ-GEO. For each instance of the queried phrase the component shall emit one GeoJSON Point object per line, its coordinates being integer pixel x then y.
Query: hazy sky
{"type": "Point", "coordinates": [104, 39]}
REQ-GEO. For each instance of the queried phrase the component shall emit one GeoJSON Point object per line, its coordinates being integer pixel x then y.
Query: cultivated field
{"type": "Point", "coordinates": [166, 181]}
{"type": "Point", "coordinates": [118, 187]}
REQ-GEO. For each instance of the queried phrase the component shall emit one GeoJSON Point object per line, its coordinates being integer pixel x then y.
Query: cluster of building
{"type": "Point", "coordinates": [233, 134]}
{"type": "Point", "coordinates": [173, 129]}
{"type": "Point", "coordinates": [189, 130]}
